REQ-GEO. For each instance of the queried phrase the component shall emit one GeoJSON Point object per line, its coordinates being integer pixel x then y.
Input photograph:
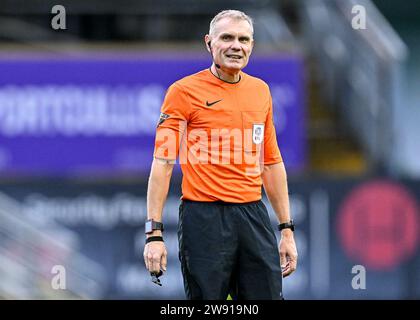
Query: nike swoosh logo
{"type": "Point", "coordinates": [212, 103]}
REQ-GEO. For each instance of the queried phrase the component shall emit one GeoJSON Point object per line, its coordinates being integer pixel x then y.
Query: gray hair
{"type": "Point", "coordinates": [233, 14]}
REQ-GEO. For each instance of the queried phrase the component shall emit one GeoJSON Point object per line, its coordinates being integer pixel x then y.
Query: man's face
{"type": "Point", "coordinates": [231, 44]}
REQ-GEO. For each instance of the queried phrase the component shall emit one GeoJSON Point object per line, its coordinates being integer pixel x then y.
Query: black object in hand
{"type": "Point", "coordinates": [155, 277]}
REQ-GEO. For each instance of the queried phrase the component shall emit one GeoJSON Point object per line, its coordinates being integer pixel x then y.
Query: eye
{"type": "Point", "coordinates": [226, 37]}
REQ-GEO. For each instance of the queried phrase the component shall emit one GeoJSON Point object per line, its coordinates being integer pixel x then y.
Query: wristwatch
{"type": "Point", "coordinates": [290, 225]}
{"type": "Point", "coordinates": [151, 225]}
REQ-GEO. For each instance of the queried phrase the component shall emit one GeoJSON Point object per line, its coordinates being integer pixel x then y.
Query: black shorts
{"type": "Point", "coordinates": [227, 248]}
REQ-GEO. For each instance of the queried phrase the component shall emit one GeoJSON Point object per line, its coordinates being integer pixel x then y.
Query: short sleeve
{"type": "Point", "coordinates": [174, 115]}
{"type": "Point", "coordinates": [272, 153]}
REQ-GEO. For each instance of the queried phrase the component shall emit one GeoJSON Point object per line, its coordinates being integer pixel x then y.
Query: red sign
{"type": "Point", "coordinates": [378, 225]}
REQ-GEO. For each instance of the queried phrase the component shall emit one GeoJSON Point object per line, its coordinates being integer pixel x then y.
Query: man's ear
{"type": "Point", "coordinates": [252, 45]}
{"type": "Point", "coordinates": [207, 40]}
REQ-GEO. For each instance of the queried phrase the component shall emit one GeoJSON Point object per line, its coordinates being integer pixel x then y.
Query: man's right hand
{"type": "Point", "coordinates": [155, 256]}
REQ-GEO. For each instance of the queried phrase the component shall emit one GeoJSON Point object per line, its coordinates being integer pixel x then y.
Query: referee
{"type": "Point", "coordinates": [219, 122]}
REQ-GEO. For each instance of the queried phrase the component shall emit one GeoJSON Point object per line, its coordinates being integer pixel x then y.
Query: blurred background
{"type": "Point", "coordinates": [78, 112]}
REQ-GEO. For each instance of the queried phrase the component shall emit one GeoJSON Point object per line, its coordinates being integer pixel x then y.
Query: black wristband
{"type": "Point", "coordinates": [154, 238]}
{"type": "Point", "coordinates": [290, 225]}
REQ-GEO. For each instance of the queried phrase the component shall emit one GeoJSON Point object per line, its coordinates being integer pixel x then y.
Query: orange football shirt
{"type": "Point", "coordinates": [221, 132]}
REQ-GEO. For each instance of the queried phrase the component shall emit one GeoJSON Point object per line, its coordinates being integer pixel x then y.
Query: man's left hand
{"type": "Point", "coordinates": [288, 252]}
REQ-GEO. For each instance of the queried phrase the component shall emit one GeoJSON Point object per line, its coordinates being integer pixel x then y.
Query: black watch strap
{"type": "Point", "coordinates": [152, 225]}
{"type": "Point", "coordinates": [290, 225]}
{"type": "Point", "coordinates": [154, 238]}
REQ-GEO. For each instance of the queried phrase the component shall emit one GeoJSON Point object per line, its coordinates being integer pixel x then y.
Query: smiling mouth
{"type": "Point", "coordinates": [233, 56]}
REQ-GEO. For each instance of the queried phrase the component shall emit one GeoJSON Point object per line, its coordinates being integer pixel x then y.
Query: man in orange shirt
{"type": "Point", "coordinates": [219, 123]}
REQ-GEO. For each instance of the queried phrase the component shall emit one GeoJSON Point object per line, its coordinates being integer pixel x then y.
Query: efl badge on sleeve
{"type": "Point", "coordinates": [257, 133]}
{"type": "Point", "coordinates": [162, 118]}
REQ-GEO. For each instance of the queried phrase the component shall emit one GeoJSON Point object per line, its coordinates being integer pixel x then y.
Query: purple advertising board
{"type": "Point", "coordinates": [97, 116]}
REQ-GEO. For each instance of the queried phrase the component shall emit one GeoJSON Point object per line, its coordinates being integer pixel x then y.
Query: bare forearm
{"type": "Point", "coordinates": [157, 191]}
{"type": "Point", "coordinates": [275, 185]}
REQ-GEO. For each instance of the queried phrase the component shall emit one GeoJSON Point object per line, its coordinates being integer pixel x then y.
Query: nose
{"type": "Point", "coordinates": [236, 45]}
